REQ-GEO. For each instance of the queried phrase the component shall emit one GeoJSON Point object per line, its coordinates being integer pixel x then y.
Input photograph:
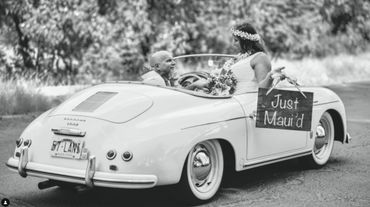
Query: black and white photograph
{"type": "Point", "coordinates": [185, 103]}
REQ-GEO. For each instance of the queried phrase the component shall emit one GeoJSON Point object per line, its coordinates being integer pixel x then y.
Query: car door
{"type": "Point", "coordinates": [266, 143]}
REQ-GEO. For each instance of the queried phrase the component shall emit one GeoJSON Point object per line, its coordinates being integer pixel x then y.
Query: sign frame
{"type": "Point", "coordinates": [284, 109]}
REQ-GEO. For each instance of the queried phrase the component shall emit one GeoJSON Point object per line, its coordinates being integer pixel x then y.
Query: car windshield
{"type": "Point", "coordinates": [200, 63]}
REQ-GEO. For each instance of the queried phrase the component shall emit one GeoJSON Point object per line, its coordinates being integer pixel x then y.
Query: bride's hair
{"type": "Point", "coordinates": [247, 45]}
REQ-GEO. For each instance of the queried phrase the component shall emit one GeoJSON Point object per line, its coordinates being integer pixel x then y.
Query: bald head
{"type": "Point", "coordinates": [162, 62]}
{"type": "Point", "coordinates": [159, 57]}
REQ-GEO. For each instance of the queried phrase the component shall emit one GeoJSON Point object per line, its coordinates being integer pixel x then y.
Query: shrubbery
{"type": "Point", "coordinates": [71, 41]}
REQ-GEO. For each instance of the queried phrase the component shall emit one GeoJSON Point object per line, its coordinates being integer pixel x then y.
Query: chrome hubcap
{"type": "Point", "coordinates": [320, 131]}
{"type": "Point", "coordinates": [201, 165]}
{"type": "Point", "coordinates": [322, 138]}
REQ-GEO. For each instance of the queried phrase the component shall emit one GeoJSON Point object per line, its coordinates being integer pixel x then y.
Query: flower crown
{"type": "Point", "coordinates": [245, 35]}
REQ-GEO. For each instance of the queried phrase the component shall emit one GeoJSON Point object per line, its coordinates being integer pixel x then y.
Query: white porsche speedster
{"type": "Point", "coordinates": [135, 135]}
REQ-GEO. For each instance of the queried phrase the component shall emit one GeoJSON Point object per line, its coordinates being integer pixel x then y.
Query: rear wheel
{"type": "Point", "coordinates": [202, 173]}
{"type": "Point", "coordinates": [324, 142]}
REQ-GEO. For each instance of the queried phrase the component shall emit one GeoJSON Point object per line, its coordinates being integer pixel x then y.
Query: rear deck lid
{"type": "Point", "coordinates": [110, 104]}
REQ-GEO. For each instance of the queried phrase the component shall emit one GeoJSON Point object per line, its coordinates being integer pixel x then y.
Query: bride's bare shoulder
{"type": "Point", "coordinates": [259, 58]}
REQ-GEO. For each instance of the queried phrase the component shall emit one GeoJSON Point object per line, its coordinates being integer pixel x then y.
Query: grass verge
{"type": "Point", "coordinates": [338, 69]}
{"type": "Point", "coordinates": [23, 97]}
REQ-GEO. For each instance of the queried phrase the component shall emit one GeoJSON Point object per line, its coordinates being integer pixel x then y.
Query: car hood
{"type": "Point", "coordinates": [106, 102]}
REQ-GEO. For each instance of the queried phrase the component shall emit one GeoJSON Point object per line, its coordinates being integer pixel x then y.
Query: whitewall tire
{"type": "Point", "coordinates": [324, 142]}
{"type": "Point", "coordinates": [202, 173]}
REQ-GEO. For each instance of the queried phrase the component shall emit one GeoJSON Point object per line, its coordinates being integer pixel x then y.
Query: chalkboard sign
{"type": "Point", "coordinates": [283, 109]}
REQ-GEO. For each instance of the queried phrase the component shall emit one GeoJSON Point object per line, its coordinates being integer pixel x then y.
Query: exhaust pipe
{"type": "Point", "coordinates": [46, 184]}
{"type": "Point", "coordinates": [52, 183]}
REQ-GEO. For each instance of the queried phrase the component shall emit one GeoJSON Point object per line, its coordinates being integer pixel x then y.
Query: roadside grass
{"type": "Point", "coordinates": [338, 69]}
{"type": "Point", "coordinates": [24, 97]}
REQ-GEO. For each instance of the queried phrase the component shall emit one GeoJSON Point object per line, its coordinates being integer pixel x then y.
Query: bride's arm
{"type": "Point", "coordinates": [262, 70]}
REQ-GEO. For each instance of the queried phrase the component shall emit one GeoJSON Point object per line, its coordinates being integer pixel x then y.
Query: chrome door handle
{"type": "Point", "coordinates": [252, 115]}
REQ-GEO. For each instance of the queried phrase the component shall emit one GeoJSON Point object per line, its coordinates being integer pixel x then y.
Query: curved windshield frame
{"type": "Point", "coordinates": [200, 62]}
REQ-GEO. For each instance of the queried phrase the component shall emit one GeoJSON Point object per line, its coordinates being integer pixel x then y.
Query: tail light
{"type": "Point", "coordinates": [111, 154]}
{"type": "Point", "coordinates": [127, 156]}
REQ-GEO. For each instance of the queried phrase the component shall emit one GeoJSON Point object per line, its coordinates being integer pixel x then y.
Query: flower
{"type": "Point", "coordinates": [245, 35]}
{"type": "Point", "coordinates": [222, 82]}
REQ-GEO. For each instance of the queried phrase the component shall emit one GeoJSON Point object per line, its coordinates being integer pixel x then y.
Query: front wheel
{"type": "Point", "coordinates": [324, 142]}
{"type": "Point", "coordinates": [202, 173]}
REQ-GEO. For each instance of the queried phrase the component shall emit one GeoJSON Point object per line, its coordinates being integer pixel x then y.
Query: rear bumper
{"type": "Point", "coordinates": [88, 177]}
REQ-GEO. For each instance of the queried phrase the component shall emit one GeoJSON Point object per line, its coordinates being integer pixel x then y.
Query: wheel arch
{"type": "Point", "coordinates": [339, 133]}
{"type": "Point", "coordinates": [228, 154]}
{"type": "Point", "coordinates": [229, 161]}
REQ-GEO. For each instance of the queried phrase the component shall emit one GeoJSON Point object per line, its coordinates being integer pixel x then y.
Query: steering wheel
{"type": "Point", "coordinates": [191, 77]}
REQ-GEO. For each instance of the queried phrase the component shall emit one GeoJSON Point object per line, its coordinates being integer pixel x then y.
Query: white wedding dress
{"type": "Point", "coordinates": [244, 73]}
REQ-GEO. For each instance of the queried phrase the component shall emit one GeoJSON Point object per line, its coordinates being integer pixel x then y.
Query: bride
{"type": "Point", "coordinates": [252, 67]}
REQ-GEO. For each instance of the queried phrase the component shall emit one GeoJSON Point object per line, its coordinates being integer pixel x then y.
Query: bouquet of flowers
{"type": "Point", "coordinates": [222, 82]}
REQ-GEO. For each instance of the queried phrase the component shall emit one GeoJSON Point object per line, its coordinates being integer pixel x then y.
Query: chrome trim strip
{"type": "Point", "coordinates": [326, 103]}
{"type": "Point", "coordinates": [69, 132]}
{"type": "Point", "coordinates": [204, 55]}
{"type": "Point", "coordinates": [215, 122]}
{"type": "Point", "coordinates": [142, 182]}
{"type": "Point", "coordinates": [23, 160]}
{"type": "Point", "coordinates": [248, 166]}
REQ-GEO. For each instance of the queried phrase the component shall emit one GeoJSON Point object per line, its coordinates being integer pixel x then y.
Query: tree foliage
{"type": "Point", "coordinates": [97, 40]}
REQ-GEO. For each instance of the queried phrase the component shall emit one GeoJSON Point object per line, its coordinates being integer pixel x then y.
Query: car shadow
{"type": "Point", "coordinates": [252, 180]}
{"type": "Point", "coordinates": [264, 175]}
{"type": "Point", "coordinates": [159, 196]}
{"type": "Point", "coordinates": [290, 172]}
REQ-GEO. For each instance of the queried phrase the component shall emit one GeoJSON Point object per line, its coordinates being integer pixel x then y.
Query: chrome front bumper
{"type": "Point", "coordinates": [89, 177]}
{"type": "Point", "coordinates": [348, 138]}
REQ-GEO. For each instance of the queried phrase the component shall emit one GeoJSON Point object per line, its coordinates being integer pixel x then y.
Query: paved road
{"type": "Point", "coordinates": [345, 181]}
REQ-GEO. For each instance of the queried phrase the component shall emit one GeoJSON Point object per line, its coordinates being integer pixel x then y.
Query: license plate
{"type": "Point", "coordinates": [67, 148]}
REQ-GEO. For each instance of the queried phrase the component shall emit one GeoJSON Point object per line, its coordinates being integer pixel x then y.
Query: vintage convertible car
{"type": "Point", "coordinates": [135, 135]}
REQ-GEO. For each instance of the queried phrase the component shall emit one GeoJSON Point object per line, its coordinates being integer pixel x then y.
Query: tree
{"type": "Point", "coordinates": [73, 40]}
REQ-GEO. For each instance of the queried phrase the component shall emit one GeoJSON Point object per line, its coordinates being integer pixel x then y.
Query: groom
{"type": "Point", "coordinates": [162, 65]}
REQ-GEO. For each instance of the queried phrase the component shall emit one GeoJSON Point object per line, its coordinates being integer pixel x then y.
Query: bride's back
{"type": "Point", "coordinates": [245, 75]}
